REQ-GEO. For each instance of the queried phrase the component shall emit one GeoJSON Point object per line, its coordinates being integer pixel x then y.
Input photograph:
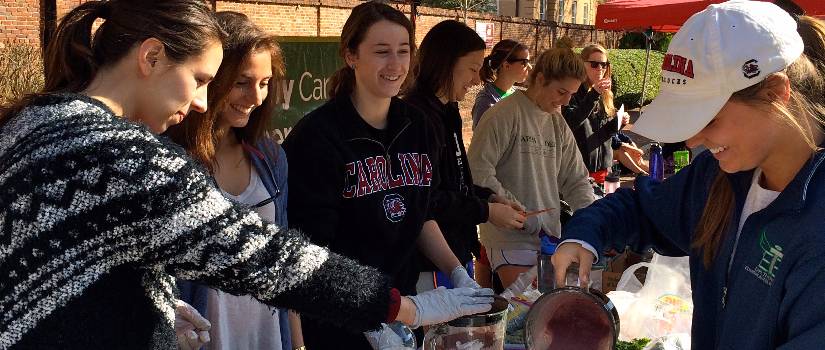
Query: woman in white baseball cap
{"type": "Point", "coordinates": [748, 212]}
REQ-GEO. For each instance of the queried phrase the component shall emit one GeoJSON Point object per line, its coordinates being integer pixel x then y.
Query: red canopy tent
{"type": "Point", "coordinates": [667, 15]}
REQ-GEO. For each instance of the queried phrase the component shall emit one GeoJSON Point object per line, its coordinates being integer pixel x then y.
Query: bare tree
{"type": "Point", "coordinates": [463, 5]}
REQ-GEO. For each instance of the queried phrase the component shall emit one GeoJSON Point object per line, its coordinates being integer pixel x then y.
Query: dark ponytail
{"type": "Point", "coordinates": [69, 63]}
{"type": "Point", "coordinates": [342, 82]}
{"type": "Point", "coordinates": [185, 27]}
{"type": "Point", "coordinates": [502, 51]}
{"type": "Point", "coordinates": [363, 16]}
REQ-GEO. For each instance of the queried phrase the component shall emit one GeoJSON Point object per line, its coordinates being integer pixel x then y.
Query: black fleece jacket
{"type": "Point", "coordinates": [361, 191]}
{"type": "Point", "coordinates": [591, 128]}
{"type": "Point", "coordinates": [458, 205]}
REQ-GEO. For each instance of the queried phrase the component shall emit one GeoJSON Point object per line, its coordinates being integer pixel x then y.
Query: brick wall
{"type": "Point", "coordinates": [286, 20]}
{"type": "Point", "coordinates": [20, 21]}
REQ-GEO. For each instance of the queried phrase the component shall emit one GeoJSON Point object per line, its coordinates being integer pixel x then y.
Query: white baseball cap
{"type": "Point", "coordinates": [723, 49]}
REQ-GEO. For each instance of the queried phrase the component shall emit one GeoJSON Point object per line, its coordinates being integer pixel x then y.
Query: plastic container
{"type": "Point", "coordinates": [612, 182]}
{"type": "Point", "coordinates": [572, 318]}
{"type": "Point", "coordinates": [571, 278]}
{"type": "Point", "coordinates": [657, 162]}
{"type": "Point", "coordinates": [393, 336]}
{"type": "Point", "coordinates": [681, 159]}
{"type": "Point", "coordinates": [484, 331]}
{"type": "Point", "coordinates": [546, 274]}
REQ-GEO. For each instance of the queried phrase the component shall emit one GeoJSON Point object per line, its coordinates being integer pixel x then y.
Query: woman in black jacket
{"type": "Point", "coordinates": [447, 66]}
{"type": "Point", "coordinates": [592, 118]}
{"type": "Point", "coordinates": [361, 170]}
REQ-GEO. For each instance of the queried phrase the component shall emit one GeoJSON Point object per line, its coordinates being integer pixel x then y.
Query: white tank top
{"type": "Point", "coordinates": [242, 322]}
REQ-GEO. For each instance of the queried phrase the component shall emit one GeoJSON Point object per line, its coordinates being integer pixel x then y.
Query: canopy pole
{"type": "Point", "coordinates": [648, 40]}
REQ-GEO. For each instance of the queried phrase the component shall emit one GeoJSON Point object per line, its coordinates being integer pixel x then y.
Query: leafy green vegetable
{"type": "Point", "coordinates": [636, 344]}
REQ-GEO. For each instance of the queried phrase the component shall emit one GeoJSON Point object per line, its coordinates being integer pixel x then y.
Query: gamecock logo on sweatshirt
{"type": "Point", "coordinates": [394, 207]}
{"type": "Point", "coordinates": [377, 174]}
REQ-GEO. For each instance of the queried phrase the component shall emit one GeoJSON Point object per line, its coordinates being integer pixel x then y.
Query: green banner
{"type": "Point", "coordinates": [310, 61]}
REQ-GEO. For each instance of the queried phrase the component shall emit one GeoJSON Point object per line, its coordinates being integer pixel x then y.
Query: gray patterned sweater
{"type": "Point", "coordinates": [97, 215]}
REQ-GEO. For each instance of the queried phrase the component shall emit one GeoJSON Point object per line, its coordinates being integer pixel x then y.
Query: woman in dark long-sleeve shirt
{"type": "Point", "coordinates": [592, 116]}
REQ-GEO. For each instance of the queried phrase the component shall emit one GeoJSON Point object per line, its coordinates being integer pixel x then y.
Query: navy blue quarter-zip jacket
{"type": "Point", "coordinates": [362, 192]}
{"type": "Point", "coordinates": [768, 291]}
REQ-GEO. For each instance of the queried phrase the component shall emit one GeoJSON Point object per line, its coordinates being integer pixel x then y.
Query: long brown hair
{"type": "Point", "coordinates": [363, 16]}
{"type": "Point", "coordinates": [807, 79]}
{"type": "Point", "coordinates": [501, 52]}
{"type": "Point", "coordinates": [197, 132]}
{"type": "Point", "coordinates": [606, 98]}
{"type": "Point", "coordinates": [185, 27]}
{"type": "Point", "coordinates": [438, 54]}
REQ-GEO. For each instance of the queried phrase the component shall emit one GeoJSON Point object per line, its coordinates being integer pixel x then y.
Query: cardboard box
{"type": "Point", "coordinates": [610, 280]}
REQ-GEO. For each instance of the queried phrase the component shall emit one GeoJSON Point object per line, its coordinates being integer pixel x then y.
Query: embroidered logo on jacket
{"type": "Point", "coordinates": [376, 174]}
{"type": "Point", "coordinates": [394, 207]}
{"type": "Point", "coordinates": [771, 257]}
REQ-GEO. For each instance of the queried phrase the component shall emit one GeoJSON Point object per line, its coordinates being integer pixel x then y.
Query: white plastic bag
{"type": "Point", "coordinates": [678, 341]}
{"type": "Point", "coordinates": [660, 307]}
{"type": "Point", "coordinates": [393, 336]}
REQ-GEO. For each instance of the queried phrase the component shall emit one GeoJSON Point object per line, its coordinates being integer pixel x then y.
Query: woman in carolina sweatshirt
{"type": "Point", "coordinates": [523, 150]}
{"type": "Point", "coordinates": [362, 168]}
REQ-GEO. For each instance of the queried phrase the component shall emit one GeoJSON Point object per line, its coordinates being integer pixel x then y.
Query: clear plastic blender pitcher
{"type": "Point", "coordinates": [484, 331]}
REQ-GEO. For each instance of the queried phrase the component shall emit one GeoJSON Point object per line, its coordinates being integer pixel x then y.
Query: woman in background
{"type": "Point", "coordinates": [447, 66]}
{"type": "Point", "coordinates": [249, 167]}
{"type": "Point", "coordinates": [523, 150]}
{"type": "Point", "coordinates": [594, 120]}
{"type": "Point", "coordinates": [506, 65]}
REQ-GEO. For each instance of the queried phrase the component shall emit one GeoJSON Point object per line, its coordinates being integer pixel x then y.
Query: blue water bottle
{"type": "Point", "coordinates": [657, 162]}
{"type": "Point", "coordinates": [546, 276]}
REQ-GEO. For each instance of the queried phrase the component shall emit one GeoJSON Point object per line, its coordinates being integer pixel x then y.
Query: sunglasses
{"type": "Point", "coordinates": [524, 61]}
{"type": "Point", "coordinates": [597, 64]}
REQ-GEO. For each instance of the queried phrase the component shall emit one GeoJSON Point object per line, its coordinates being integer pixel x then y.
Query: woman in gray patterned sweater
{"type": "Point", "coordinates": [97, 213]}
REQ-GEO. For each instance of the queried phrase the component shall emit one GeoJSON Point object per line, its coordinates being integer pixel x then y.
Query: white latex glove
{"type": "Point", "coordinates": [532, 225]}
{"type": "Point", "coordinates": [441, 304]}
{"type": "Point", "coordinates": [191, 329]}
{"type": "Point", "coordinates": [460, 278]}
